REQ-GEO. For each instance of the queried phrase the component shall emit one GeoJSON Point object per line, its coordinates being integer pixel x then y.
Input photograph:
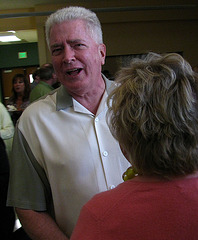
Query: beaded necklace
{"type": "Point", "coordinates": [130, 173]}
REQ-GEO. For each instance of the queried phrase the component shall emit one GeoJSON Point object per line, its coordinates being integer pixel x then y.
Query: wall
{"type": "Point", "coordinates": [130, 32]}
{"type": "Point", "coordinates": [9, 59]}
{"type": "Point", "coordinates": [20, 23]}
{"type": "Point", "coordinates": [9, 55]}
{"type": "Point", "coordinates": [140, 31]}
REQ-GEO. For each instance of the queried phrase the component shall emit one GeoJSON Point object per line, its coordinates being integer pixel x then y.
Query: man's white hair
{"type": "Point", "coordinates": [74, 13]}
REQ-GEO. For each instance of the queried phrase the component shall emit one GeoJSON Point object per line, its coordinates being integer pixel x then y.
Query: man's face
{"type": "Point", "coordinates": [76, 57]}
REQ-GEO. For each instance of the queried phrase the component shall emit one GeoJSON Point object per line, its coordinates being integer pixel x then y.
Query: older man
{"type": "Point", "coordinates": [64, 150]}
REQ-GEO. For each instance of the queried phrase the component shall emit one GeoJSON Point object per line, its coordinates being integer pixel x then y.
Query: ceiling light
{"type": "Point", "coordinates": [9, 39]}
{"type": "Point", "coordinates": [11, 31]}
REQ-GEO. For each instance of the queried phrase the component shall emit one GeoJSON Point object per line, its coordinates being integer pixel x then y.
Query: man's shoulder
{"type": "Point", "coordinates": [110, 85]}
{"type": "Point", "coordinates": [42, 105]}
{"type": "Point", "coordinates": [35, 91]}
{"type": "Point", "coordinates": [40, 86]}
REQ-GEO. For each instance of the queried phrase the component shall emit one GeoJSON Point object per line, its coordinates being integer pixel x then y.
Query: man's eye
{"type": "Point", "coordinates": [56, 51]}
{"type": "Point", "coordinates": [79, 45]}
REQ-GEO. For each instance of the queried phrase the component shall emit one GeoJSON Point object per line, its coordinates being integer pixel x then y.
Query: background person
{"type": "Point", "coordinates": [56, 84]}
{"type": "Point", "coordinates": [6, 128]}
{"type": "Point", "coordinates": [195, 69]}
{"type": "Point", "coordinates": [20, 97]}
{"type": "Point", "coordinates": [47, 79]}
{"type": "Point", "coordinates": [36, 78]}
{"type": "Point", "coordinates": [62, 144]}
{"type": "Point", "coordinates": [154, 118]}
{"type": "Point", "coordinates": [7, 217]}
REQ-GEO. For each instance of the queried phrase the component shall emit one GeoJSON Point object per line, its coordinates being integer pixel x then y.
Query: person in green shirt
{"type": "Point", "coordinates": [47, 79]}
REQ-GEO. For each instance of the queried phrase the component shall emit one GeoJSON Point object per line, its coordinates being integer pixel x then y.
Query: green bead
{"type": "Point", "coordinates": [125, 177]}
{"type": "Point", "coordinates": [129, 174]}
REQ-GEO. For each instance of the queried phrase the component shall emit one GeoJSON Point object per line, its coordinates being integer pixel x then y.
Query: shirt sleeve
{"type": "Point", "coordinates": [87, 226]}
{"type": "Point", "coordinates": [28, 184]}
{"type": "Point", "coordinates": [6, 125]}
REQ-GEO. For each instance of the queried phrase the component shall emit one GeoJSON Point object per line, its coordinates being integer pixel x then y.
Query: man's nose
{"type": "Point", "coordinates": [69, 55]}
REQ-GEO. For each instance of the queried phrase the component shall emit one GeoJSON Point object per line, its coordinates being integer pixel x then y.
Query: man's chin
{"type": "Point", "coordinates": [75, 88]}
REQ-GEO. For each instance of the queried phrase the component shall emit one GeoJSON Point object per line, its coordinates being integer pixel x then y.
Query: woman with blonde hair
{"type": "Point", "coordinates": [154, 118]}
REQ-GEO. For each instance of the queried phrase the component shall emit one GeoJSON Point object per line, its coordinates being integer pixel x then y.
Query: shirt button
{"type": "Point", "coordinates": [96, 119]}
{"type": "Point", "coordinates": [105, 153]}
{"type": "Point", "coordinates": [111, 187]}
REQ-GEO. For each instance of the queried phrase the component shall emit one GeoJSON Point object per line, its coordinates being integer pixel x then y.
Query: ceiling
{"type": "Point", "coordinates": [14, 4]}
{"type": "Point", "coordinates": [30, 35]}
{"type": "Point", "coordinates": [27, 36]}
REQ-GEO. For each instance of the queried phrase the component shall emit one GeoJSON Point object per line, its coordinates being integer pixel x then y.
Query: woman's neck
{"type": "Point", "coordinates": [156, 178]}
{"type": "Point", "coordinates": [20, 95]}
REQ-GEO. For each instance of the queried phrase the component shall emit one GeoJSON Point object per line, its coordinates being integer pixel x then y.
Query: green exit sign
{"type": "Point", "coordinates": [22, 55]}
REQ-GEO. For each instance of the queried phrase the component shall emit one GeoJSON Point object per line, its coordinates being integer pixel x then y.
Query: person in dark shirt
{"type": "Point", "coordinates": [7, 213]}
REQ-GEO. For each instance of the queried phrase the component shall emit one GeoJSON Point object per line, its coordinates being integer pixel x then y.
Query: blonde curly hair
{"type": "Point", "coordinates": [153, 114]}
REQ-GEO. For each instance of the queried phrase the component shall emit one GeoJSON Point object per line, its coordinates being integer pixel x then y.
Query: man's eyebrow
{"type": "Point", "coordinates": [75, 40]}
{"type": "Point", "coordinates": [69, 42]}
{"type": "Point", "coordinates": [56, 45]}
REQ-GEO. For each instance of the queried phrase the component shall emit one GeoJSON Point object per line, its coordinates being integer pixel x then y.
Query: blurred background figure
{"type": "Point", "coordinates": [45, 85]}
{"type": "Point", "coordinates": [20, 97]}
{"type": "Point", "coordinates": [195, 68]}
{"type": "Point", "coordinates": [154, 117]}
{"type": "Point", "coordinates": [108, 74]}
{"type": "Point", "coordinates": [7, 213]}
{"type": "Point", "coordinates": [47, 65]}
{"type": "Point", "coordinates": [6, 128]}
{"type": "Point", "coordinates": [57, 83]}
{"type": "Point", "coordinates": [36, 78]}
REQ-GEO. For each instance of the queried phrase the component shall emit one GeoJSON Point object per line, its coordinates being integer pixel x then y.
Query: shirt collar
{"type": "Point", "coordinates": [64, 99]}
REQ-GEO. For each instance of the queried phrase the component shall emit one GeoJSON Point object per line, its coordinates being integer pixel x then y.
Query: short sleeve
{"type": "Point", "coordinates": [28, 184]}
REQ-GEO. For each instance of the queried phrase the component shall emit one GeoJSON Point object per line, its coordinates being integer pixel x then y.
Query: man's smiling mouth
{"type": "Point", "coordinates": [74, 71]}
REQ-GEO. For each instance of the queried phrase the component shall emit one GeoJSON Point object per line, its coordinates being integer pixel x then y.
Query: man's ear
{"type": "Point", "coordinates": [102, 52]}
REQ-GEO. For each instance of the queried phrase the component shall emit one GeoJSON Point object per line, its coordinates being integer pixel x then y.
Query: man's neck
{"type": "Point", "coordinates": [90, 101]}
{"type": "Point", "coordinates": [92, 98]}
{"type": "Point", "coordinates": [49, 82]}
